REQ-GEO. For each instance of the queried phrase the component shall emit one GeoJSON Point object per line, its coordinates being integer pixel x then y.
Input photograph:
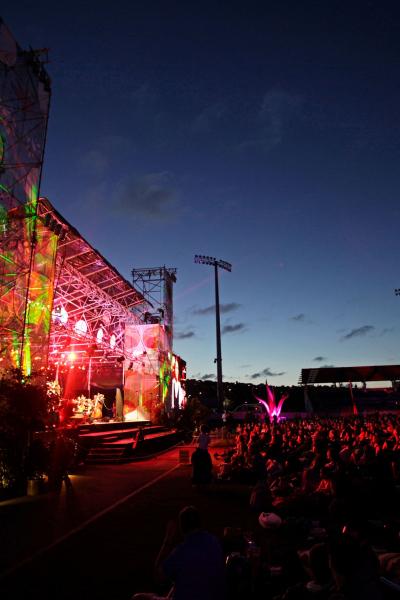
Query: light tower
{"type": "Point", "coordinates": [210, 260]}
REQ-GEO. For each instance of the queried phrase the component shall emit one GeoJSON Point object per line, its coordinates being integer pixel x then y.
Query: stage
{"type": "Point", "coordinates": [120, 442]}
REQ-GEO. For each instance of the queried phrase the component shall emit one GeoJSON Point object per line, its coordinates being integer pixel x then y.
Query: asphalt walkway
{"type": "Point", "coordinates": [99, 539]}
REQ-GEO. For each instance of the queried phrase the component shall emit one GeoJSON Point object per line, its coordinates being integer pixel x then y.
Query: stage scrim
{"type": "Point", "coordinates": [27, 249]}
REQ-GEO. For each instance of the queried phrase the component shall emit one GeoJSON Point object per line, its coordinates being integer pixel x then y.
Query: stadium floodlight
{"type": "Point", "coordinates": [397, 291]}
{"type": "Point", "coordinates": [210, 260]}
{"type": "Point", "coordinates": [222, 264]}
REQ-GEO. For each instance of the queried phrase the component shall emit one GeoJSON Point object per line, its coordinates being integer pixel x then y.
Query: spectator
{"type": "Point", "coordinates": [195, 567]}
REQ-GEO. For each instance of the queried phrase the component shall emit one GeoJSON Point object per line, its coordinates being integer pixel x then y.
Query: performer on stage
{"type": "Point", "coordinates": [119, 405]}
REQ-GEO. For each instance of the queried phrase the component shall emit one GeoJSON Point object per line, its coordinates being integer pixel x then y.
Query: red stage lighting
{"type": "Point", "coordinates": [72, 356]}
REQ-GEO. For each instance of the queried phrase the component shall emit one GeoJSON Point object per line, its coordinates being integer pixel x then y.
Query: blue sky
{"type": "Point", "coordinates": [265, 134]}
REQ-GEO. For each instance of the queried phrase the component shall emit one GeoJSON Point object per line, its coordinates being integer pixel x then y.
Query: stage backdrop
{"type": "Point", "coordinates": [147, 369]}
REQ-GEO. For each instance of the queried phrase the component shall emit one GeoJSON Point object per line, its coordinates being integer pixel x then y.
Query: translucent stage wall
{"type": "Point", "coordinates": [147, 376]}
{"type": "Point", "coordinates": [27, 248]}
{"type": "Point", "coordinates": [153, 374]}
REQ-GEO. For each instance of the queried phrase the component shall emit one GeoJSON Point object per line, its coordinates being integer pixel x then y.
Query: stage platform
{"type": "Point", "coordinates": [99, 426]}
{"type": "Point", "coordinates": [116, 442]}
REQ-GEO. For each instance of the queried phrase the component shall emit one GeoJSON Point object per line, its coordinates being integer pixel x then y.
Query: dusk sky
{"type": "Point", "coordinates": [266, 134]}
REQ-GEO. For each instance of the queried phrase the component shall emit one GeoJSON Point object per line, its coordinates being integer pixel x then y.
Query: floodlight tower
{"type": "Point", "coordinates": [210, 260]}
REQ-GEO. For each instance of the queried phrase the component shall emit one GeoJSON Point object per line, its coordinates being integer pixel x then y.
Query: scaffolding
{"type": "Point", "coordinates": [92, 304]}
{"type": "Point", "coordinates": [27, 250]}
{"type": "Point", "coordinates": [156, 286]}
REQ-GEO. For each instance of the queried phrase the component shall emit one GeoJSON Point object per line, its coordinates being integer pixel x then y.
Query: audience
{"type": "Point", "coordinates": [323, 509]}
{"type": "Point", "coordinates": [313, 480]}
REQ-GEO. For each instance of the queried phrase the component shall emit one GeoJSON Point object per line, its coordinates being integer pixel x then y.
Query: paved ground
{"type": "Point", "coordinates": [100, 538]}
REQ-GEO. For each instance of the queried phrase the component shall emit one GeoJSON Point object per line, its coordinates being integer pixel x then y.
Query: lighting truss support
{"type": "Point", "coordinates": [91, 304]}
{"type": "Point", "coordinates": [210, 260]}
{"type": "Point", "coordinates": [156, 285]}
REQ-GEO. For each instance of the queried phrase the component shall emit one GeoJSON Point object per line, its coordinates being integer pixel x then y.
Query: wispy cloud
{"type": "Point", "coordinates": [278, 110]}
{"type": "Point", "coordinates": [207, 376]}
{"type": "Point", "coordinates": [99, 159]}
{"type": "Point", "coordinates": [223, 308]}
{"type": "Point", "coordinates": [208, 118]}
{"type": "Point", "coordinates": [233, 328]}
{"type": "Point", "coordinates": [301, 317]}
{"type": "Point", "coordinates": [95, 161]}
{"type": "Point", "coordinates": [151, 196]}
{"type": "Point", "coordinates": [184, 335]}
{"type": "Point", "coordinates": [386, 330]}
{"type": "Point", "coordinates": [144, 95]}
{"type": "Point", "coordinates": [358, 332]}
{"type": "Point", "coordinates": [319, 358]}
{"type": "Point", "coordinates": [267, 372]}
{"type": "Point", "coordinates": [327, 366]}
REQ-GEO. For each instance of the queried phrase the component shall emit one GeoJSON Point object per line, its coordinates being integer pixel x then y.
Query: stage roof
{"type": "Point", "coordinates": [350, 374]}
{"type": "Point", "coordinates": [88, 261]}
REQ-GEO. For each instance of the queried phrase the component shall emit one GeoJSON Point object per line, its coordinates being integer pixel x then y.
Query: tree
{"type": "Point", "coordinates": [23, 409]}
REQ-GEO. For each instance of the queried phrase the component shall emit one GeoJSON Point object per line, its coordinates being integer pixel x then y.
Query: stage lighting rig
{"type": "Point", "coordinates": [222, 264]}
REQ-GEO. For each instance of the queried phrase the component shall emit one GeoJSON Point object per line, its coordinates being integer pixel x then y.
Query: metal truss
{"type": "Point", "coordinates": [150, 282]}
{"type": "Point", "coordinates": [24, 108]}
{"type": "Point", "coordinates": [84, 302]}
{"type": "Point", "coordinates": [92, 301]}
{"type": "Point", "coordinates": [156, 285]}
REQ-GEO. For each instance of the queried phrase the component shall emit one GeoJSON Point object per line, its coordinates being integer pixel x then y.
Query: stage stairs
{"type": "Point", "coordinates": [115, 446]}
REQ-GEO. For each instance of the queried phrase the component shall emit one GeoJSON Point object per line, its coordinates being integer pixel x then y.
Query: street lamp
{"type": "Point", "coordinates": [210, 260]}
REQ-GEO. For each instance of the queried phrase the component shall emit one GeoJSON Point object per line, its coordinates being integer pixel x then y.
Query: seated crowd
{"type": "Point", "coordinates": [323, 519]}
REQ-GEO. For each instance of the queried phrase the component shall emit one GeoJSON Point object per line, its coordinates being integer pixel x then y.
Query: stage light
{"type": "Point", "coordinates": [99, 335]}
{"type": "Point", "coordinates": [81, 326]}
{"type": "Point", "coordinates": [60, 315]}
{"type": "Point", "coordinates": [72, 356]}
{"type": "Point", "coordinates": [113, 341]}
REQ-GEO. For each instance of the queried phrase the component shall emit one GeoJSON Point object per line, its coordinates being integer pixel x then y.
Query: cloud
{"type": "Point", "coordinates": [151, 196]}
{"type": "Point", "coordinates": [386, 330]}
{"type": "Point", "coordinates": [298, 318]}
{"type": "Point", "coordinates": [184, 335]}
{"type": "Point", "coordinates": [98, 160]}
{"type": "Point", "coordinates": [233, 328]}
{"type": "Point", "coordinates": [207, 376]}
{"type": "Point", "coordinates": [223, 309]}
{"type": "Point", "coordinates": [319, 358]}
{"type": "Point", "coordinates": [205, 121]}
{"type": "Point", "coordinates": [327, 366]}
{"type": "Point", "coordinates": [143, 95]}
{"type": "Point", "coordinates": [95, 161]}
{"type": "Point", "coordinates": [358, 332]}
{"type": "Point", "coordinates": [278, 110]}
{"type": "Point", "coordinates": [266, 373]}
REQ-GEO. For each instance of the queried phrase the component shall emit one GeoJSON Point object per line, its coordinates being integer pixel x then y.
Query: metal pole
{"type": "Point", "coordinates": [220, 389]}
{"type": "Point", "coordinates": [90, 376]}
